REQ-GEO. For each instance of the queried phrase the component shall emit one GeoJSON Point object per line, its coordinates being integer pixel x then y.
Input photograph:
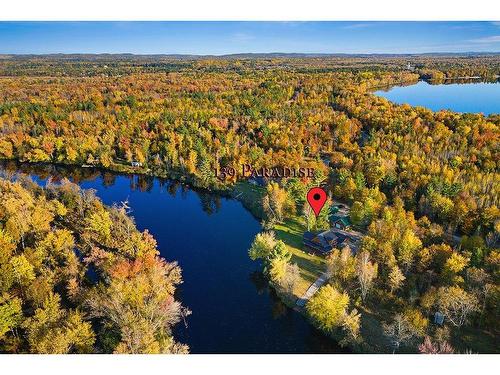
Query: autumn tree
{"type": "Point", "coordinates": [351, 327]}
{"type": "Point", "coordinates": [405, 328]}
{"type": "Point", "coordinates": [457, 305]}
{"type": "Point", "coordinates": [396, 279]}
{"type": "Point", "coordinates": [274, 254]}
{"type": "Point", "coordinates": [308, 215]}
{"type": "Point", "coordinates": [284, 274]}
{"type": "Point", "coordinates": [328, 307]}
{"type": "Point", "coordinates": [56, 331]}
{"type": "Point", "coordinates": [138, 303]}
{"type": "Point", "coordinates": [276, 203]}
{"type": "Point", "coordinates": [341, 266]}
{"type": "Point", "coordinates": [366, 272]}
{"type": "Point", "coordinates": [429, 347]}
{"type": "Point", "coordinates": [11, 315]}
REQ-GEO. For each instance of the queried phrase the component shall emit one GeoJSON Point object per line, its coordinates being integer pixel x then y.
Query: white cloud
{"type": "Point", "coordinates": [241, 37]}
{"type": "Point", "coordinates": [292, 23]}
{"type": "Point", "coordinates": [487, 39]}
{"type": "Point", "coordinates": [358, 26]}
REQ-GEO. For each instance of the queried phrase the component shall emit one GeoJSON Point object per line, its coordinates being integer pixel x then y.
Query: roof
{"type": "Point", "coordinates": [438, 318]}
{"type": "Point", "coordinates": [318, 242]}
{"type": "Point", "coordinates": [343, 240]}
{"type": "Point", "coordinates": [329, 236]}
{"type": "Point", "coordinates": [308, 236]}
{"type": "Point", "coordinates": [343, 219]}
{"type": "Point", "coordinates": [326, 241]}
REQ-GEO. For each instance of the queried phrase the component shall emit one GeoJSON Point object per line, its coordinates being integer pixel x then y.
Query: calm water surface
{"type": "Point", "coordinates": [233, 309]}
{"type": "Point", "coordinates": [476, 97]}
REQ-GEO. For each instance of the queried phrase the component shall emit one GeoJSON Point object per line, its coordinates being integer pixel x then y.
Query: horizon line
{"type": "Point", "coordinates": [311, 54]}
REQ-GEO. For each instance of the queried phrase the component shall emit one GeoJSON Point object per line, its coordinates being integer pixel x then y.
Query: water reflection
{"type": "Point", "coordinates": [55, 172]}
{"type": "Point", "coordinates": [465, 96]}
{"type": "Point", "coordinates": [210, 203]}
{"type": "Point", "coordinates": [108, 179]}
{"type": "Point", "coordinates": [446, 81]}
{"type": "Point", "coordinates": [259, 281]}
{"type": "Point", "coordinates": [234, 310]}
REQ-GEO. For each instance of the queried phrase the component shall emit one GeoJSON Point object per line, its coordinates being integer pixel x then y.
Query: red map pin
{"type": "Point", "coordinates": [316, 198]}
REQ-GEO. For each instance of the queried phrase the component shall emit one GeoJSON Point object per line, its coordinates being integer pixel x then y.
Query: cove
{"type": "Point", "coordinates": [470, 97]}
{"type": "Point", "coordinates": [233, 309]}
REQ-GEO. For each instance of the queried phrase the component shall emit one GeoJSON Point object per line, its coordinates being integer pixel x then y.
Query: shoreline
{"type": "Point", "coordinates": [233, 192]}
{"type": "Point", "coordinates": [473, 79]}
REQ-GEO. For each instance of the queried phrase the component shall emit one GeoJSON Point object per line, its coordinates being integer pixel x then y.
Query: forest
{"type": "Point", "coordinates": [415, 181]}
{"type": "Point", "coordinates": [78, 277]}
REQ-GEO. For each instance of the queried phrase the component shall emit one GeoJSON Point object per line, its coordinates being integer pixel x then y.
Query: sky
{"type": "Point", "coordinates": [219, 38]}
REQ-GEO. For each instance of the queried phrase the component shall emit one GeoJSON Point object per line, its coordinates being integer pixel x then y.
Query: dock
{"type": "Point", "coordinates": [311, 291]}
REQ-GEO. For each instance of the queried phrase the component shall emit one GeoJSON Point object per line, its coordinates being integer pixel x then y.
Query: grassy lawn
{"type": "Point", "coordinates": [311, 266]}
{"type": "Point", "coordinates": [290, 232]}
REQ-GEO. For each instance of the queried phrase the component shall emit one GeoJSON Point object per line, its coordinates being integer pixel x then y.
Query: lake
{"type": "Point", "coordinates": [473, 97]}
{"type": "Point", "coordinates": [233, 309]}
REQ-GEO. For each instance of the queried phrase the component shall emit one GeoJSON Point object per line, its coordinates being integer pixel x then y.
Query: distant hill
{"type": "Point", "coordinates": [274, 55]}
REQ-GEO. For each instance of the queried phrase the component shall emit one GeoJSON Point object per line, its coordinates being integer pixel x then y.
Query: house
{"type": "Point", "coordinates": [340, 222]}
{"type": "Point", "coordinates": [136, 164]}
{"type": "Point", "coordinates": [318, 243]}
{"type": "Point", "coordinates": [324, 242]}
{"type": "Point", "coordinates": [257, 181]}
{"type": "Point", "coordinates": [438, 318]}
{"type": "Point", "coordinates": [334, 209]}
{"type": "Point", "coordinates": [339, 209]}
